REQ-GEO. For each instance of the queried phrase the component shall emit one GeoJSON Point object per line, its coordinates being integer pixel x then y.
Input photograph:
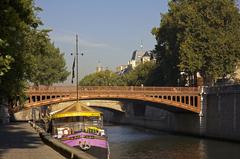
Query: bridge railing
{"type": "Point", "coordinates": [182, 97]}
{"type": "Point", "coordinates": [112, 88]}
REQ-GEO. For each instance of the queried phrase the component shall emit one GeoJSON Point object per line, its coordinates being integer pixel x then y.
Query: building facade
{"type": "Point", "coordinates": [138, 57]}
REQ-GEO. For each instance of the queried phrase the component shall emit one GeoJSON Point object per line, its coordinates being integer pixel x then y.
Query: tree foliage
{"type": "Point", "coordinates": [140, 75]}
{"type": "Point", "coordinates": [103, 78]}
{"type": "Point", "coordinates": [198, 36]}
{"type": "Point", "coordinates": [5, 62]}
{"type": "Point", "coordinates": [26, 52]}
{"type": "Point", "coordinates": [48, 64]}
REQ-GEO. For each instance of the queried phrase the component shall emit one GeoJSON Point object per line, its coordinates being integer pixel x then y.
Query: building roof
{"type": "Point", "coordinates": [137, 55]}
{"type": "Point", "coordinates": [76, 109]}
{"type": "Point", "coordinates": [147, 54]}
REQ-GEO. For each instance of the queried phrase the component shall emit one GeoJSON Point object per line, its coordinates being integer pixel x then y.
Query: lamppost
{"type": "Point", "coordinates": [76, 58]}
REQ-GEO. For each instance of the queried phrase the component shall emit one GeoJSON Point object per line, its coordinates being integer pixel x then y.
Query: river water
{"type": "Point", "coordinates": [127, 142]}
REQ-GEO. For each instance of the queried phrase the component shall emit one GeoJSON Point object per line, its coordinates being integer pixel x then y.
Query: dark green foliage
{"type": "Point", "coordinates": [26, 53]}
{"type": "Point", "coordinates": [140, 75]}
{"type": "Point", "coordinates": [103, 78]}
{"type": "Point", "coordinates": [198, 36]}
{"type": "Point", "coordinates": [48, 65]}
{"type": "Point", "coordinates": [5, 62]}
{"type": "Point", "coordinates": [16, 20]}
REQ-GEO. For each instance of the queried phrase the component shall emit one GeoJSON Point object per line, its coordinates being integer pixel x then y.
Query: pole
{"type": "Point", "coordinates": [77, 64]}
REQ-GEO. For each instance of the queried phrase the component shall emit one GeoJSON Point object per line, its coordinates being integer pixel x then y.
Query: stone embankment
{"type": "Point", "coordinates": [219, 117]}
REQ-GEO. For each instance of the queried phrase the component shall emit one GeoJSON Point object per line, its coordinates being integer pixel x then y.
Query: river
{"type": "Point", "coordinates": [128, 142]}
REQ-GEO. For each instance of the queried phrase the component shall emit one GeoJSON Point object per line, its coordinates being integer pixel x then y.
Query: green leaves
{"type": "Point", "coordinates": [26, 52]}
{"type": "Point", "coordinates": [140, 75]}
{"type": "Point", "coordinates": [102, 78]}
{"type": "Point", "coordinates": [47, 63]}
{"type": "Point", "coordinates": [199, 36]}
{"type": "Point", "coordinates": [5, 61]}
{"type": "Point", "coordinates": [5, 64]}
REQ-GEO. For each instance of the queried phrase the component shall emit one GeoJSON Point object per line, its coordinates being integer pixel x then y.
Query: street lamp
{"type": "Point", "coordinates": [73, 67]}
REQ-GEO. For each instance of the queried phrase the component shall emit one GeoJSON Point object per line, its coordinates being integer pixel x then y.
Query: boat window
{"type": "Point", "coordinates": [74, 119]}
{"type": "Point", "coordinates": [69, 119]}
{"type": "Point", "coordinates": [91, 118]}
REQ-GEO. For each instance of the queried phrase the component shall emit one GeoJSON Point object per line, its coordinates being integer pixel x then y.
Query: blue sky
{"type": "Point", "coordinates": [109, 30]}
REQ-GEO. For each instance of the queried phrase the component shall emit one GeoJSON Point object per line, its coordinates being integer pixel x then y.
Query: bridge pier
{"type": "Point", "coordinates": [223, 112]}
{"type": "Point", "coordinates": [149, 116]}
{"type": "Point", "coordinates": [143, 115]}
{"type": "Point", "coordinates": [139, 109]}
{"type": "Point", "coordinates": [219, 116]}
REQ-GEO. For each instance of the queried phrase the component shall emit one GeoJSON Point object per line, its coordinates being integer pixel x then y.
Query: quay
{"type": "Point", "coordinates": [19, 140]}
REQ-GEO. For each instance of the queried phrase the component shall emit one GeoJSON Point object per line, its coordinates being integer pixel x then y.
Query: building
{"type": "Point", "coordinates": [121, 68]}
{"type": "Point", "coordinates": [146, 57]}
{"type": "Point", "coordinates": [99, 68]}
{"type": "Point", "coordinates": [140, 57]}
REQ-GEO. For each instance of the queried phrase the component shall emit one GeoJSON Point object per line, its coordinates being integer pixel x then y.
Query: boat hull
{"type": "Point", "coordinates": [92, 144]}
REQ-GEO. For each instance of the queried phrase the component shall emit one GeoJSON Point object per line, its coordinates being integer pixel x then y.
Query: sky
{"type": "Point", "coordinates": [109, 30]}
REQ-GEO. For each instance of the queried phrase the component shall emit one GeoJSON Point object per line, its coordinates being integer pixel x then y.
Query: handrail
{"type": "Point", "coordinates": [111, 88]}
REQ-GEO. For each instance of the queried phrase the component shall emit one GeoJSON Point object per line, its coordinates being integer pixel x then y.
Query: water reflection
{"type": "Point", "coordinates": [133, 143]}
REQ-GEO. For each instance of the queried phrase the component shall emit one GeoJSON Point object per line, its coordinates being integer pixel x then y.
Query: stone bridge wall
{"type": "Point", "coordinates": [223, 112]}
{"type": "Point", "coordinates": [220, 116]}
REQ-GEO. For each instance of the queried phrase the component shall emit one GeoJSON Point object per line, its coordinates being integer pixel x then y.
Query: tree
{"type": "Point", "coordinates": [17, 19]}
{"type": "Point", "coordinates": [26, 52]}
{"type": "Point", "coordinates": [5, 61]}
{"type": "Point", "coordinates": [198, 36]}
{"type": "Point", "coordinates": [48, 64]}
{"type": "Point", "coordinates": [102, 78]}
{"type": "Point", "coordinates": [140, 75]}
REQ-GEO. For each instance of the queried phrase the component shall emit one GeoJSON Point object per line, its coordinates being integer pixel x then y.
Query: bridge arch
{"type": "Point", "coordinates": [104, 104]}
{"type": "Point", "coordinates": [182, 98]}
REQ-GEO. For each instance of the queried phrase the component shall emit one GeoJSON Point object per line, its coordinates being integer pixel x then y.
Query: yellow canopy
{"type": "Point", "coordinates": [76, 109]}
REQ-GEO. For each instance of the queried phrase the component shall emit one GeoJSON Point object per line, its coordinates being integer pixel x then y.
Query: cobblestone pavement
{"type": "Point", "coordinates": [20, 141]}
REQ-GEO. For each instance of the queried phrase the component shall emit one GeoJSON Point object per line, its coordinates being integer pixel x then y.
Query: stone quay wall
{"type": "Point", "coordinates": [223, 112]}
{"type": "Point", "coordinates": [219, 118]}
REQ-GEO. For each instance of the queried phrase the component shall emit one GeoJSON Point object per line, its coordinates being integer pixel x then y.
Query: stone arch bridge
{"type": "Point", "coordinates": [182, 98]}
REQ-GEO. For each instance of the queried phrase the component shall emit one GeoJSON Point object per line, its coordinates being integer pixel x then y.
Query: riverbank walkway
{"type": "Point", "coordinates": [20, 141]}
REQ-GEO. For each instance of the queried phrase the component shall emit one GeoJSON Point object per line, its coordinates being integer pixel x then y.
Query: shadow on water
{"type": "Point", "coordinates": [134, 143]}
{"type": "Point", "coordinates": [17, 135]}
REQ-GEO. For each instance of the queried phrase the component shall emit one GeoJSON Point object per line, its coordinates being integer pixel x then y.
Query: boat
{"type": "Point", "coordinates": [81, 127]}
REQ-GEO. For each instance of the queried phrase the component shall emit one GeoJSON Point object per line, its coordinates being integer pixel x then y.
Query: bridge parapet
{"type": "Point", "coordinates": [112, 88]}
{"type": "Point", "coordinates": [185, 98]}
